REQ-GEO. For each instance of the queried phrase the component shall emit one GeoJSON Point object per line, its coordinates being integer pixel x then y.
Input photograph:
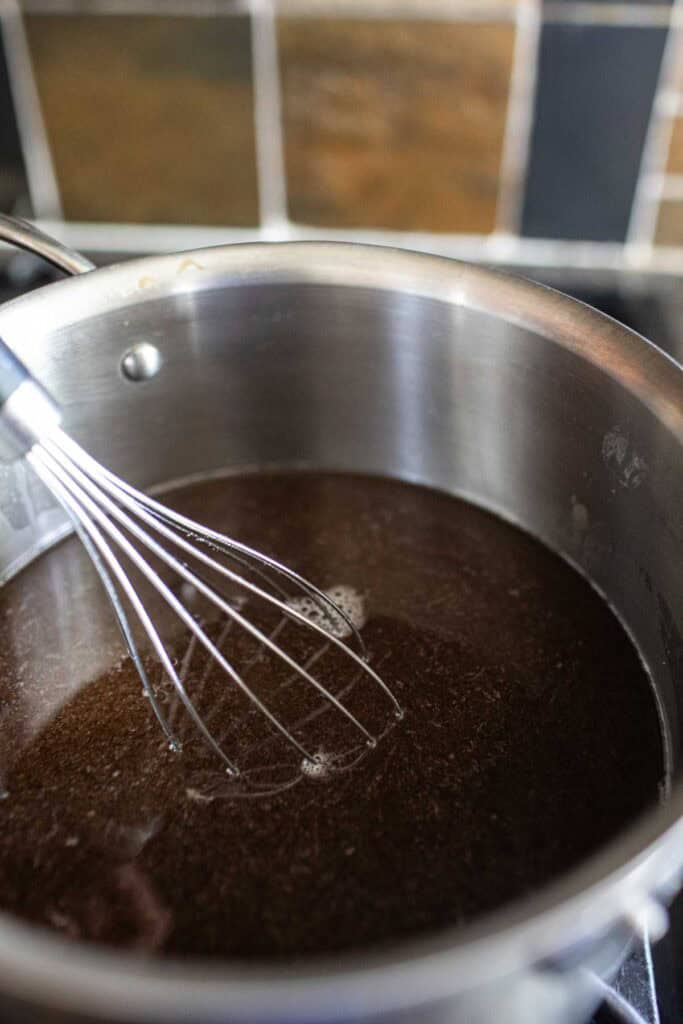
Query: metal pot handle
{"type": "Point", "coordinates": [25, 236]}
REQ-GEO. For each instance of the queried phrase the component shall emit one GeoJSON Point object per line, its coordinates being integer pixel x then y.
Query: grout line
{"type": "Point", "coordinates": [444, 10]}
{"type": "Point", "coordinates": [668, 186]}
{"type": "Point", "coordinates": [655, 184]}
{"type": "Point", "coordinates": [270, 164]}
{"type": "Point", "coordinates": [184, 8]}
{"type": "Point", "coordinates": [447, 10]}
{"type": "Point", "coordinates": [40, 171]}
{"type": "Point", "coordinates": [645, 207]}
{"type": "Point", "coordinates": [616, 14]}
{"type": "Point", "coordinates": [438, 10]}
{"type": "Point", "coordinates": [519, 119]}
{"type": "Point", "coordinates": [128, 239]}
{"type": "Point", "coordinates": [669, 103]}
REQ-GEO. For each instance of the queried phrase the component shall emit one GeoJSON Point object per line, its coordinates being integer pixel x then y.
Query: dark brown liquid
{"type": "Point", "coordinates": [530, 737]}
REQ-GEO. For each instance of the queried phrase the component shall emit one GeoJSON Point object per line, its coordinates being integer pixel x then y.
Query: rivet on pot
{"type": "Point", "coordinates": [141, 362]}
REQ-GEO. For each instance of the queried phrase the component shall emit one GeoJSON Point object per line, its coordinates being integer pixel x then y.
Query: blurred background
{"type": "Point", "coordinates": [514, 131]}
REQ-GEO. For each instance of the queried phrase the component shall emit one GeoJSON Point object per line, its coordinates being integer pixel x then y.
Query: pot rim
{"type": "Point", "coordinates": [614, 885]}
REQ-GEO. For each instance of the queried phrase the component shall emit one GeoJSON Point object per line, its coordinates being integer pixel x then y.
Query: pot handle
{"type": "Point", "coordinates": [25, 236]}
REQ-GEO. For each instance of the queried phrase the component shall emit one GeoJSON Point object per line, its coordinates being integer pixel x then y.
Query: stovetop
{"type": "Point", "coordinates": [649, 986]}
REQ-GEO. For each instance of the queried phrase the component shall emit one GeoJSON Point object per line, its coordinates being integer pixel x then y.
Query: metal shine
{"type": "Point", "coordinates": [378, 361]}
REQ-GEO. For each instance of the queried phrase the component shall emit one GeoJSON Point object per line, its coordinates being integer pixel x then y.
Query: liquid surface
{"type": "Point", "coordinates": [530, 738]}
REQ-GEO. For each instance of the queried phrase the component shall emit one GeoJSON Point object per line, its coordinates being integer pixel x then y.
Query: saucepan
{"type": "Point", "coordinates": [376, 361]}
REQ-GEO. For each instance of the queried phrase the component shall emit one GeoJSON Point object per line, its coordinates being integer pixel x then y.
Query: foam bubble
{"type": "Point", "coordinates": [345, 597]}
{"type": "Point", "coordinates": [318, 767]}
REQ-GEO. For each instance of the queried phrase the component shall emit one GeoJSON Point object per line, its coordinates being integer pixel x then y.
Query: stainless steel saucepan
{"type": "Point", "coordinates": [356, 358]}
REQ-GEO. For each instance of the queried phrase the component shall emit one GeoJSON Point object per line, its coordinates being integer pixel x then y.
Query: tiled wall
{"type": "Point", "coordinates": [394, 124]}
{"type": "Point", "coordinates": [496, 121]}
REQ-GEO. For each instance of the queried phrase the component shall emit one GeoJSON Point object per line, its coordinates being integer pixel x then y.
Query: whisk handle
{"type": "Point", "coordinates": [27, 412]}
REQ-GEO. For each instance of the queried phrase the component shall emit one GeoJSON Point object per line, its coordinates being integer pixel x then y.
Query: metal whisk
{"type": "Point", "coordinates": [119, 526]}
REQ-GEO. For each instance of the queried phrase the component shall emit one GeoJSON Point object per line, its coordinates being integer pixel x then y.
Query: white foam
{"type": "Point", "coordinates": [345, 597]}
{"type": "Point", "coordinates": [318, 767]}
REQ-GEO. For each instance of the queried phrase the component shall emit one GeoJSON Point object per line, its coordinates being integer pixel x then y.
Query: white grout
{"type": "Point", "coordinates": [439, 10]}
{"type": "Point", "coordinates": [519, 120]}
{"type": "Point", "coordinates": [270, 162]}
{"type": "Point", "coordinates": [669, 103]}
{"type": "Point", "coordinates": [143, 238]}
{"type": "Point", "coordinates": [185, 8]}
{"type": "Point", "coordinates": [645, 208]}
{"type": "Point", "coordinates": [668, 186]}
{"type": "Point", "coordinates": [40, 171]}
{"type": "Point", "coordinates": [447, 10]}
{"type": "Point", "coordinates": [652, 187]}
{"type": "Point", "coordinates": [130, 239]}
{"type": "Point", "coordinates": [638, 15]}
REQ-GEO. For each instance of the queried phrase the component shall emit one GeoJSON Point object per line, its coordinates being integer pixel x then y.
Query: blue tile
{"type": "Point", "coordinates": [594, 94]}
{"type": "Point", "coordinates": [13, 187]}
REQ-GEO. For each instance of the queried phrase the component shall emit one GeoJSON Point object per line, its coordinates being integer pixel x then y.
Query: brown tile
{"type": "Point", "coordinates": [675, 161]}
{"type": "Point", "coordinates": [394, 124]}
{"type": "Point", "coordinates": [149, 118]}
{"type": "Point", "coordinates": [670, 223]}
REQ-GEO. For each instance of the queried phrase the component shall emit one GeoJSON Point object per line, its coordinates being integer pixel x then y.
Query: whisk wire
{"type": "Point", "coordinates": [167, 594]}
{"type": "Point", "coordinates": [84, 508]}
{"type": "Point", "coordinates": [226, 545]}
{"type": "Point", "coordinates": [119, 611]}
{"type": "Point", "coordinates": [130, 499]}
{"type": "Point", "coordinates": [196, 581]}
{"type": "Point", "coordinates": [122, 528]}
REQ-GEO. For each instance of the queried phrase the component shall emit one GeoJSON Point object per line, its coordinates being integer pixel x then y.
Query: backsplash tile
{"type": "Point", "coordinates": [394, 124]}
{"type": "Point", "coordinates": [595, 90]}
{"type": "Point", "coordinates": [149, 118]}
{"type": "Point", "coordinates": [456, 119]}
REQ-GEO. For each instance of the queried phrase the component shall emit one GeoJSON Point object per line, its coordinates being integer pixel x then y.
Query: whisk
{"type": "Point", "coordinates": [120, 526]}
